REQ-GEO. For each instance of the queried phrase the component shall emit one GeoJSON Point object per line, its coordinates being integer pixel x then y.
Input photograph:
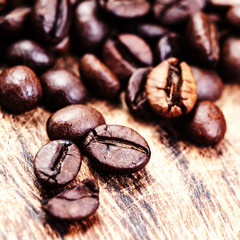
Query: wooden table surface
{"type": "Point", "coordinates": [185, 192]}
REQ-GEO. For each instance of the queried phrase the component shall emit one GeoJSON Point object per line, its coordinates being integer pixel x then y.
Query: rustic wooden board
{"type": "Point", "coordinates": [185, 192]}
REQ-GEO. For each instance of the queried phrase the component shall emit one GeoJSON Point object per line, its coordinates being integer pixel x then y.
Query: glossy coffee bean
{"type": "Point", "coordinates": [136, 96]}
{"type": "Point", "coordinates": [14, 23]}
{"type": "Point", "coordinates": [90, 29]}
{"type": "Point", "coordinates": [98, 78]}
{"type": "Point", "coordinates": [172, 12]}
{"type": "Point", "coordinates": [51, 20]}
{"type": "Point", "coordinates": [209, 84]}
{"type": "Point", "coordinates": [57, 163]}
{"type": "Point", "coordinates": [116, 148]}
{"type": "Point", "coordinates": [202, 39]}
{"type": "Point", "coordinates": [20, 89]}
{"type": "Point", "coordinates": [171, 88]}
{"type": "Point", "coordinates": [230, 59]}
{"type": "Point", "coordinates": [125, 54]}
{"type": "Point", "coordinates": [171, 45]}
{"type": "Point", "coordinates": [73, 122]}
{"type": "Point", "coordinates": [224, 3]}
{"type": "Point", "coordinates": [76, 203]}
{"type": "Point", "coordinates": [205, 125]}
{"type": "Point", "coordinates": [128, 9]}
{"type": "Point", "coordinates": [31, 54]}
{"type": "Point", "coordinates": [62, 88]}
{"type": "Point", "coordinates": [233, 16]}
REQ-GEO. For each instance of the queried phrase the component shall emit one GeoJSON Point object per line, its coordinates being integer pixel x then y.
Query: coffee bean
{"type": "Point", "coordinates": [73, 122]}
{"type": "Point", "coordinates": [125, 54]}
{"type": "Point", "coordinates": [90, 29]}
{"type": "Point", "coordinates": [171, 88]}
{"type": "Point", "coordinates": [203, 40]}
{"type": "Point", "coordinates": [20, 89]}
{"type": "Point", "coordinates": [31, 54]}
{"type": "Point", "coordinates": [174, 12]}
{"type": "Point", "coordinates": [98, 78]}
{"type": "Point", "coordinates": [57, 163]}
{"type": "Point", "coordinates": [62, 88]}
{"type": "Point", "coordinates": [61, 48]}
{"type": "Point", "coordinates": [136, 96]}
{"type": "Point", "coordinates": [233, 16]}
{"type": "Point", "coordinates": [205, 125]}
{"type": "Point", "coordinates": [209, 84]}
{"type": "Point", "coordinates": [224, 3]}
{"type": "Point", "coordinates": [51, 20]}
{"type": "Point", "coordinates": [128, 9]}
{"type": "Point", "coordinates": [116, 148]}
{"type": "Point", "coordinates": [14, 23]}
{"type": "Point", "coordinates": [76, 203]}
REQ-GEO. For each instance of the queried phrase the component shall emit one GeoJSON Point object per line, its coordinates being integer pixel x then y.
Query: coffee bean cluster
{"type": "Point", "coordinates": [168, 57]}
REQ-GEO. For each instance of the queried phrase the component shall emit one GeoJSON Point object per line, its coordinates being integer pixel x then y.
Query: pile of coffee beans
{"type": "Point", "coordinates": [168, 57]}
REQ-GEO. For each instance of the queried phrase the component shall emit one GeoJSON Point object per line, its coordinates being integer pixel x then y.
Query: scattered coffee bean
{"type": "Point", "coordinates": [136, 96]}
{"type": "Point", "coordinates": [20, 89]}
{"type": "Point", "coordinates": [98, 78]}
{"type": "Point", "coordinates": [116, 148]}
{"type": "Point", "coordinates": [76, 203]}
{"type": "Point", "coordinates": [62, 88]}
{"type": "Point", "coordinates": [51, 20]}
{"type": "Point", "coordinates": [209, 84]}
{"type": "Point", "coordinates": [205, 125]}
{"type": "Point", "coordinates": [73, 122]}
{"type": "Point", "coordinates": [171, 88]}
{"type": "Point", "coordinates": [31, 54]}
{"type": "Point", "coordinates": [57, 163]}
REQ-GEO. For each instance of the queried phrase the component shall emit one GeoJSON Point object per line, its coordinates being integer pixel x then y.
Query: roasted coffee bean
{"type": "Point", "coordinates": [171, 88]}
{"type": "Point", "coordinates": [62, 88]}
{"type": "Point", "coordinates": [31, 54]}
{"type": "Point", "coordinates": [136, 96]}
{"type": "Point", "coordinates": [230, 59]}
{"type": "Point", "coordinates": [233, 16]}
{"type": "Point", "coordinates": [51, 20]}
{"type": "Point", "coordinates": [20, 89]}
{"type": "Point", "coordinates": [14, 23]}
{"type": "Point", "coordinates": [224, 3]}
{"type": "Point", "coordinates": [116, 148]}
{"type": "Point", "coordinates": [205, 125]}
{"type": "Point", "coordinates": [57, 163]}
{"type": "Point", "coordinates": [76, 203]}
{"type": "Point", "coordinates": [202, 38]}
{"type": "Point", "coordinates": [90, 29]}
{"type": "Point", "coordinates": [73, 122]}
{"type": "Point", "coordinates": [98, 78]}
{"type": "Point", "coordinates": [125, 54]}
{"type": "Point", "coordinates": [61, 48]}
{"type": "Point", "coordinates": [127, 9]}
{"type": "Point", "coordinates": [209, 84]}
{"type": "Point", "coordinates": [170, 45]}
{"type": "Point", "coordinates": [174, 12]}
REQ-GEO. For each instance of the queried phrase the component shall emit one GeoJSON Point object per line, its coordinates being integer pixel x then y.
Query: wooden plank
{"type": "Point", "coordinates": [185, 192]}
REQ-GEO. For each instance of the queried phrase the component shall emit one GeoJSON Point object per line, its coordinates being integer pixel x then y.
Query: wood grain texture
{"type": "Point", "coordinates": [185, 192]}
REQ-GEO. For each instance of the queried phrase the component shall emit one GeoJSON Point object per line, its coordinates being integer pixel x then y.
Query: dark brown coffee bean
{"type": "Point", "coordinates": [62, 88]}
{"type": "Point", "coordinates": [31, 54]}
{"type": "Point", "coordinates": [209, 84]}
{"type": "Point", "coordinates": [14, 23]}
{"type": "Point", "coordinates": [127, 9]}
{"type": "Point", "coordinates": [224, 3]}
{"type": "Point", "coordinates": [98, 78]}
{"type": "Point", "coordinates": [51, 20]}
{"type": "Point", "coordinates": [76, 203]}
{"type": "Point", "coordinates": [90, 29]}
{"type": "Point", "coordinates": [136, 96]}
{"type": "Point", "coordinates": [171, 88]}
{"type": "Point", "coordinates": [57, 163]}
{"type": "Point", "coordinates": [230, 59]}
{"type": "Point", "coordinates": [205, 125]}
{"type": "Point", "coordinates": [61, 48]}
{"type": "Point", "coordinates": [116, 148]}
{"type": "Point", "coordinates": [203, 40]}
{"type": "Point", "coordinates": [125, 54]}
{"type": "Point", "coordinates": [20, 89]}
{"type": "Point", "coordinates": [174, 12]}
{"type": "Point", "coordinates": [73, 122]}
{"type": "Point", "coordinates": [233, 16]}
